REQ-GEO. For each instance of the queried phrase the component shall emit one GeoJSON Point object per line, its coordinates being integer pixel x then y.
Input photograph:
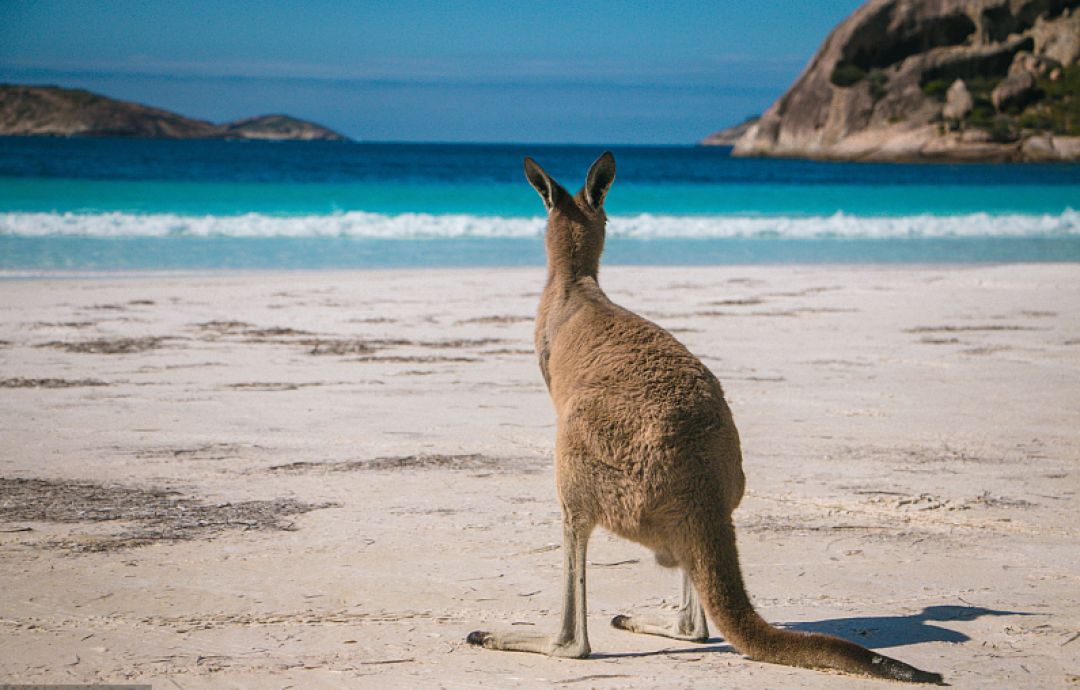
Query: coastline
{"type": "Point", "coordinates": [102, 255]}
{"type": "Point", "coordinates": [367, 454]}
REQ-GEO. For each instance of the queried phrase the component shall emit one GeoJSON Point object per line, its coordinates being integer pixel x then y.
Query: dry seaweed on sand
{"type": "Point", "coordinates": [497, 319]}
{"type": "Point", "coordinates": [224, 326]}
{"type": "Point", "coordinates": [969, 329]}
{"type": "Point", "coordinates": [412, 359]}
{"type": "Point", "coordinates": [340, 347]}
{"type": "Point", "coordinates": [109, 346]}
{"type": "Point", "coordinates": [471, 461]}
{"type": "Point", "coordinates": [253, 333]}
{"type": "Point", "coordinates": [156, 515]}
{"type": "Point", "coordinates": [367, 346]}
{"type": "Point", "coordinates": [275, 332]}
{"type": "Point", "coordinates": [20, 382]}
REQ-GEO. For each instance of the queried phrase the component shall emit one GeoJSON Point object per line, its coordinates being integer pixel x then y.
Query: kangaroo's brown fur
{"type": "Point", "coordinates": [646, 447]}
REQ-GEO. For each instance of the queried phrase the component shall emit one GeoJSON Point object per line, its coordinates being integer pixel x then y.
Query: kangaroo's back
{"type": "Point", "coordinates": [632, 397]}
{"type": "Point", "coordinates": [598, 348]}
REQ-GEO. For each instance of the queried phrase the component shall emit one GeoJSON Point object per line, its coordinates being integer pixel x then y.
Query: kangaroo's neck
{"type": "Point", "coordinates": [567, 268]}
{"type": "Point", "coordinates": [573, 265]}
{"type": "Point", "coordinates": [573, 242]}
{"type": "Point", "coordinates": [562, 298]}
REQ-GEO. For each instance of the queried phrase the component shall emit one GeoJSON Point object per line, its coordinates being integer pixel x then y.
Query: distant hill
{"type": "Point", "coordinates": [55, 111]}
{"type": "Point", "coordinates": [728, 136]}
{"type": "Point", "coordinates": [951, 80]}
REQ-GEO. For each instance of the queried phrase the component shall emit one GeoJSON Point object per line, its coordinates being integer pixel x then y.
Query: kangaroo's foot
{"type": "Point", "coordinates": [652, 626]}
{"type": "Point", "coordinates": [690, 625]}
{"type": "Point", "coordinates": [552, 645]}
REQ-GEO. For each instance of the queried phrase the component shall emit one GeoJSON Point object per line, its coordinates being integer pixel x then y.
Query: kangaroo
{"type": "Point", "coordinates": [646, 447]}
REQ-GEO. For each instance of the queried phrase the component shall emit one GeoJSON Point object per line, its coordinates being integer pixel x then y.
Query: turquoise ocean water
{"type": "Point", "coordinates": [109, 204]}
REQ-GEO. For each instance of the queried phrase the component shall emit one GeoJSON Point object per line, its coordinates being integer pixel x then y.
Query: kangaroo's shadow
{"type": "Point", "coordinates": [874, 632]}
{"type": "Point", "coordinates": [705, 648]}
{"type": "Point", "coordinates": [896, 631]}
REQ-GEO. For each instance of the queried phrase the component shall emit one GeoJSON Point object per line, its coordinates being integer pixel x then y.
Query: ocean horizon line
{"type": "Point", "coordinates": [384, 142]}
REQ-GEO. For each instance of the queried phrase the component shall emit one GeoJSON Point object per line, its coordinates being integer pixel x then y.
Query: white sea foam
{"type": "Point", "coordinates": [645, 226]}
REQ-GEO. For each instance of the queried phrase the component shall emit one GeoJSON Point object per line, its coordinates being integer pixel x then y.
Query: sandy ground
{"type": "Point", "coordinates": [327, 480]}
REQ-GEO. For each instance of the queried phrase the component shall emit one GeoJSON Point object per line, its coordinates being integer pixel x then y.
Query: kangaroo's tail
{"type": "Point", "coordinates": [714, 568]}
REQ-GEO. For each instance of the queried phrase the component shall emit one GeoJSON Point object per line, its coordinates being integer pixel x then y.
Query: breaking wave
{"type": "Point", "coordinates": [418, 226]}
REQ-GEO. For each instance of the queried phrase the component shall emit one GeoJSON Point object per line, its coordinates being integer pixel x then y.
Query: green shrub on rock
{"type": "Point", "coordinates": [936, 88]}
{"type": "Point", "coordinates": [847, 74]}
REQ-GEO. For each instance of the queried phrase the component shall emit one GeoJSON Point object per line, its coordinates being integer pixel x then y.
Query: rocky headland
{"type": "Point", "coordinates": [935, 80]}
{"type": "Point", "coordinates": [55, 111]}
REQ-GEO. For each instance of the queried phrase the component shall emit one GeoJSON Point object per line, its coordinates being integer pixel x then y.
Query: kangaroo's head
{"type": "Point", "coordinates": [575, 228]}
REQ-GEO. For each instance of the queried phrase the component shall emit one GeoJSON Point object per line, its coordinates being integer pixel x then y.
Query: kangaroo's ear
{"type": "Point", "coordinates": [547, 188]}
{"type": "Point", "coordinates": [601, 175]}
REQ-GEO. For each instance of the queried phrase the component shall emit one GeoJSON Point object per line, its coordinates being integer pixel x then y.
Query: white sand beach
{"type": "Point", "coordinates": [321, 479]}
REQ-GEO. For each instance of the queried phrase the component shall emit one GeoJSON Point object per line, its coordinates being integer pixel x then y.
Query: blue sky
{"type": "Point", "coordinates": [405, 70]}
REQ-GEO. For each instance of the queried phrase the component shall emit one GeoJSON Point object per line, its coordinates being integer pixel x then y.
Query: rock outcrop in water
{"type": "Point", "coordinates": [730, 135]}
{"type": "Point", "coordinates": [279, 127]}
{"type": "Point", "coordinates": [969, 80]}
{"type": "Point", "coordinates": [55, 111]}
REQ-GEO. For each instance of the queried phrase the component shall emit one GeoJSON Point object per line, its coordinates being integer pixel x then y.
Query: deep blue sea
{"type": "Point", "coordinates": [121, 204]}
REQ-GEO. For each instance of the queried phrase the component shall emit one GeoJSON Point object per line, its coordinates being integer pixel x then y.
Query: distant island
{"type": "Point", "coordinates": [60, 112]}
{"type": "Point", "coordinates": [933, 80]}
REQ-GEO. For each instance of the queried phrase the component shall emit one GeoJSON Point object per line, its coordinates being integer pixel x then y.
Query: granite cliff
{"type": "Point", "coordinates": [55, 111]}
{"type": "Point", "coordinates": [978, 80]}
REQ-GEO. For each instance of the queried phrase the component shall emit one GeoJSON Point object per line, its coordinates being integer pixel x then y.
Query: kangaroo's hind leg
{"type": "Point", "coordinates": [572, 640]}
{"type": "Point", "coordinates": [690, 625]}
